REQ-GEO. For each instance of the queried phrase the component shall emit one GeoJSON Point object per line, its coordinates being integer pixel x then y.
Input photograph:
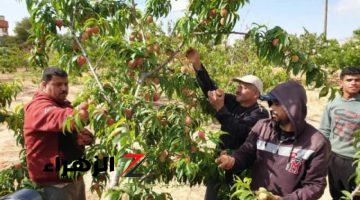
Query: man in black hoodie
{"type": "Point", "coordinates": [237, 114]}
{"type": "Point", "coordinates": [288, 156]}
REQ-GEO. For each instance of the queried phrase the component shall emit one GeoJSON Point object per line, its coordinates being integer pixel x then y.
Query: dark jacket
{"type": "Point", "coordinates": [44, 139]}
{"type": "Point", "coordinates": [295, 168]}
{"type": "Point", "coordinates": [236, 120]}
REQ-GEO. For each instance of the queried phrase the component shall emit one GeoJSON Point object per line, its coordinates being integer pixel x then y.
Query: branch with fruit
{"type": "Point", "coordinates": [275, 46]}
{"type": "Point", "coordinates": [84, 58]}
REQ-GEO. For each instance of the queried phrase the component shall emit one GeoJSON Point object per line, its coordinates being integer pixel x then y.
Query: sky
{"type": "Point", "coordinates": [292, 15]}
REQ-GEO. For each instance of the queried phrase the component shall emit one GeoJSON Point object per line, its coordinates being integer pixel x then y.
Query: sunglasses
{"type": "Point", "coordinates": [273, 102]}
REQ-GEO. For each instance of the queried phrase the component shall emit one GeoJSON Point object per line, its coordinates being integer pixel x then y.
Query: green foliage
{"type": "Point", "coordinates": [204, 21]}
{"type": "Point", "coordinates": [8, 41]}
{"type": "Point", "coordinates": [325, 53]}
{"type": "Point", "coordinates": [15, 177]}
{"type": "Point", "coordinates": [275, 46]}
{"type": "Point", "coordinates": [8, 92]}
{"type": "Point", "coordinates": [225, 63]}
{"type": "Point", "coordinates": [133, 63]}
{"type": "Point", "coordinates": [356, 134]}
{"type": "Point", "coordinates": [158, 8]}
{"type": "Point", "coordinates": [12, 58]}
{"type": "Point", "coordinates": [22, 29]}
{"type": "Point", "coordinates": [243, 190]}
{"type": "Point", "coordinates": [350, 53]}
{"type": "Point", "coordinates": [134, 190]}
{"type": "Point", "coordinates": [346, 195]}
{"type": "Point", "coordinates": [329, 54]}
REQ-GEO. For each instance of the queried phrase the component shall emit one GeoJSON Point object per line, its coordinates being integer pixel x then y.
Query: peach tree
{"type": "Point", "coordinates": [142, 95]}
{"type": "Point", "coordinates": [13, 177]}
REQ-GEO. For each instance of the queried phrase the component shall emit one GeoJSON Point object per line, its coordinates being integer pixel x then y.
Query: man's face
{"type": "Point", "coordinates": [350, 84]}
{"type": "Point", "coordinates": [246, 92]}
{"type": "Point", "coordinates": [57, 88]}
{"type": "Point", "coordinates": [278, 113]}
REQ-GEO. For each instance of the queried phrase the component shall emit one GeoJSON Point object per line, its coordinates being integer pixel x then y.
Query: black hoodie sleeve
{"type": "Point", "coordinates": [205, 82]}
{"type": "Point", "coordinates": [238, 129]}
{"type": "Point", "coordinates": [246, 154]}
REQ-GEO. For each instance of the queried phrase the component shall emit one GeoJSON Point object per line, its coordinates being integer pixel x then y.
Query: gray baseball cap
{"type": "Point", "coordinates": [254, 80]}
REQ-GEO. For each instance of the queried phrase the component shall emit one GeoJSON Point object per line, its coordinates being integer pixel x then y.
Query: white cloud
{"type": "Point", "coordinates": [347, 6]}
{"type": "Point", "coordinates": [179, 5]}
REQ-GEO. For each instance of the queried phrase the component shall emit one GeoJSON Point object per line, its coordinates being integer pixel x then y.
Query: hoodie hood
{"type": "Point", "coordinates": [42, 96]}
{"type": "Point", "coordinates": [292, 97]}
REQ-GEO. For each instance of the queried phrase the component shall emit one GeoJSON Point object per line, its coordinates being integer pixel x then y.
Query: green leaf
{"type": "Point", "coordinates": [324, 91]}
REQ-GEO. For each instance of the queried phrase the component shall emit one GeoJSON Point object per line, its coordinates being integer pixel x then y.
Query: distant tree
{"type": "Point", "coordinates": [8, 41]}
{"type": "Point", "coordinates": [357, 33]}
{"type": "Point", "coordinates": [350, 55]}
{"type": "Point", "coordinates": [22, 29]}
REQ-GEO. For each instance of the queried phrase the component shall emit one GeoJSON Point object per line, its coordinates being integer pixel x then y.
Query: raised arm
{"type": "Point", "coordinates": [202, 76]}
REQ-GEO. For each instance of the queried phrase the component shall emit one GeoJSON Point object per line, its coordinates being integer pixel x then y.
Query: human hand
{"type": "Point", "coordinates": [217, 98]}
{"type": "Point", "coordinates": [263, 194]}
{"type": "Point", "coordinates": [85, 137]}
{"type": "Point", "coordinates": [83, 111]}
{"type": "Point", "coordinates": [193, 56]}
{"type": "Point", "coordinates": [276, 197]}
{"type": "Point", "coordinates": [269, 197]}
{"type": "Point", "coordinates": [225, 161]}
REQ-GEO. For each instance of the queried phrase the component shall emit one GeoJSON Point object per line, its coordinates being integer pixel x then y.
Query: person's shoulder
{"type": "Point", "coordinates": [335, 101]}
{"type": "Point", "coordinates": [38, 103]}
{"type": "Point", "coordinates": [32, 104]}
{"type": "Point", "coordinates": [262, 111]}
{"type": "Point", "coordinates": [262, 124]}
{"type": "Point", "coordinates": [315, 137]}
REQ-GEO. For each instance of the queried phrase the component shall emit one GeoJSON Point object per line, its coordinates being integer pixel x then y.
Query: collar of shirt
{"type": "Point", "coordinates": [356, 98]}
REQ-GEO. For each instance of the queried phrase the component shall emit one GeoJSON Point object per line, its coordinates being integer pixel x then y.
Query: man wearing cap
{"type": "Point", "coordinates": [286, 155]}
{"type": "Point", "coordinates": [237, 114]}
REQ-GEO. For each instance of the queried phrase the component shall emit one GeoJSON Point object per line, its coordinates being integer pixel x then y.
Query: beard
{"type": "Point", "coordinates": [281, 121]}
{"type": "Point", "coordinates": [284, 121]}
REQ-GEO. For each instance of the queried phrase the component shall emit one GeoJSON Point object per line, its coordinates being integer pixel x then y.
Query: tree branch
{"type": "Point", "coordinates": [92, 70]}
{"type": "Point", "coordinates": [355, 192]}
{"type": "Point", "coordinates": [214, 32]}
{"type": "Point", "coordinates": [98, 60]}
{"type": "Point", "coordinates": [133, 10]}
{"type": "Point", "coordinates": [163, 65]}
{"type": "Point", "coordinates": [171, 57]}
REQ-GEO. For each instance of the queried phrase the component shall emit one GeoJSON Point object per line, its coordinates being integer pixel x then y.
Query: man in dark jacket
{"type": "Point", "coordinates": [288, 156]}
{"type": "Point", "coordinates": [237, 114]}
{"type": "Point", "coordinates": [44, 138]}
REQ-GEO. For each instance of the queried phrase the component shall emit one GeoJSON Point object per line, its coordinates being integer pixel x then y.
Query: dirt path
{"type": "Point", "coordinates": [9, 151]}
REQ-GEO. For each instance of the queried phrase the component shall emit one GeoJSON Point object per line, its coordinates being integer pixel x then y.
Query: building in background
{"type": "Point", "coordinates": [4, 26]}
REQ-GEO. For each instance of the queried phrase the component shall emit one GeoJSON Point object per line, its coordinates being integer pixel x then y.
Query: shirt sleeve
{"type": "Point", "coordinates": [238, 129]}
{"type": "Point", "coordinates": [325, 124]}
{"type": "Point", "coordinates": [46, 117]}
{"type": "Point", "coordinates": [205, 82]}
{"type": "Point", "coordinates": [246, 154]}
